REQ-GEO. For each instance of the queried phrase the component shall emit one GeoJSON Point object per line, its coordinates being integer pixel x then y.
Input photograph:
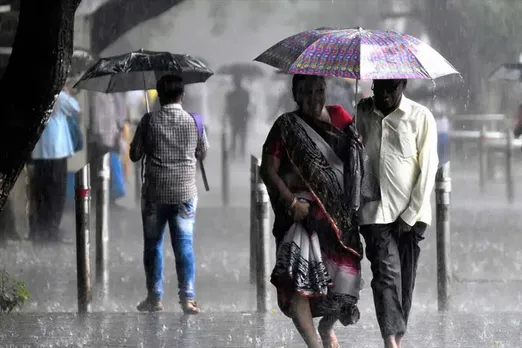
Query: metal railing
{"type": "Point", "coordinates": [443, 203]}
{"type": "Point", "coordinates": [494, 139]}
{"type": "Point", "coordinates": [489, 144]}
{"type": "Point", "coordinates": [82, 190]}
{"type": "Point", "coordinates": [83, 197]}
{"type": "Point", "coordinates": [259, 235]}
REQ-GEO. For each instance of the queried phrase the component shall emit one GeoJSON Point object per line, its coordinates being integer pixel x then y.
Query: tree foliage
{"type": "Point", "coordinates": [13, 293]}
{"type": "Point", "coordinates": [496, 28]}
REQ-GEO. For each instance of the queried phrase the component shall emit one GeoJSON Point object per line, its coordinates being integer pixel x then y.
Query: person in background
{"type": "Point", "coordinates": [104, 128]}
{"type": "Point", "coordinates": [400, 137]}
{"type": "Point", "coordinates": [106, 125]}
{"type": "Point", "coordinates": [518, 122]}
{"type": "Point", "coordinates": [48, 178]}
{"type": "Point", "coordinates": [238, 116]}
{"type": "Point", "coordinates": [169, 141]}
{"type": "Point", "coordinates": [121, 118]}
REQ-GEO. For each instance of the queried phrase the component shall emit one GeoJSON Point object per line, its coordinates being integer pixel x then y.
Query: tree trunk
{"type": "Point", "coordinates": [38, 68]}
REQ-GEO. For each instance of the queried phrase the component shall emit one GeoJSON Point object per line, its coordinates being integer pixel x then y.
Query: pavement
{"type": "Point", "coordinates": [241, 330]}
{"type": "Point", "coordinates": [486, 293]}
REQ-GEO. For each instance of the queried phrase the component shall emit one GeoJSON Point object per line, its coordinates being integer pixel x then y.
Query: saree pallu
{"type": "Point", "coordinates": [318, 257]}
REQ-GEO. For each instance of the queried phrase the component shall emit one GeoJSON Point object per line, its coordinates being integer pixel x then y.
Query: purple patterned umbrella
{"type": "Point", "coordinates": [358, 54]}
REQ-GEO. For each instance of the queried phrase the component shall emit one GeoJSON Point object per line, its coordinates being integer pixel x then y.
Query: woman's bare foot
{"type": "Point", "coordinates": [329, 340]}
{"type": "Point", "coordinates": [327, 334]}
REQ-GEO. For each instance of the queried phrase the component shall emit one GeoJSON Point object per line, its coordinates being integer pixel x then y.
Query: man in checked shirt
{"type": "Point", "coordinates": [170, 143]}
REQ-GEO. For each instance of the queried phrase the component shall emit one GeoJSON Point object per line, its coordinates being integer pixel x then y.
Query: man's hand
{"type": "Point", "coordinates": [403, 227]}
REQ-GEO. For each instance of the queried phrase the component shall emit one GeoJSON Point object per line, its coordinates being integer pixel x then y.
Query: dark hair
{"type": "Point", "coordinates": [170, 89]}
{"type": "Point", "coordinates": [299, 80]}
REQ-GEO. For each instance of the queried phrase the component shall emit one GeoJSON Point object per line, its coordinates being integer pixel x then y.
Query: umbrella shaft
{"type": "Point", "coordinates": [147, 101]}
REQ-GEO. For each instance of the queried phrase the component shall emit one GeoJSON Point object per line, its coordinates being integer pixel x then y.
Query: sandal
{"type": "Point", "coordinates": [190, 307]}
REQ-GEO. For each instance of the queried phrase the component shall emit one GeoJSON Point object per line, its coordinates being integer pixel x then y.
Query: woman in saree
{"type": "Point", "coordinates": [313, 171]}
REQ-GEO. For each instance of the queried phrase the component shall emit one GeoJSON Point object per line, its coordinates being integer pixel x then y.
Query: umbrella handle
{"type": "Point", "coordinates": [204, 175]}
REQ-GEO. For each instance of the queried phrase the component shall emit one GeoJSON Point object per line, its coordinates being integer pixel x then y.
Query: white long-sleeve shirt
{"type": "Point", "coordinates": [403, 153]}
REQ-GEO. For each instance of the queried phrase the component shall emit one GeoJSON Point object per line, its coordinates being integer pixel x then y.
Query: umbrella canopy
{"type": "Point", "coordinates": [357, 54]}
{"type": "Point", "coordinates": [241, 69]}
{"type": "Point", "coordinates": [81, 60]}
{"type": "Point", "coordinates": [140, 70]}
{"type": "Point", "coordinates": [508, 71]}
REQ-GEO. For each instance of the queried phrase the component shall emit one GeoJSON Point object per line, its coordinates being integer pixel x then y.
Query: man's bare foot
{"type": "Point", "coordinates": [327, 333]}
{"type": "Point", "coordinates": [390, 342]}
{"type": "Point", "coordinates": [328, 337]}
{"type": "Point", "coordinates": [398, 339]}
{"type": "Point", "coordinates": [329, 340]}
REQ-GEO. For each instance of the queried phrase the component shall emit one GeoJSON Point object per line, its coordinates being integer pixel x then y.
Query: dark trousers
{"type": "Point", "coordinates": [48, 182]}
{"type": "Point", "coordinates": [393, 261]}
{"type": "Point", "coordinates": [239, 141]}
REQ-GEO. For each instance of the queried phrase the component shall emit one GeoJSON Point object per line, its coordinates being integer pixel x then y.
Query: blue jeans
{"type": "Point", "coordinates": [181, 218]}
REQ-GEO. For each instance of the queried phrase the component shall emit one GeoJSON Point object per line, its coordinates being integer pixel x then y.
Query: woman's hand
{"type": "Point", "coordinates": [300, 210]}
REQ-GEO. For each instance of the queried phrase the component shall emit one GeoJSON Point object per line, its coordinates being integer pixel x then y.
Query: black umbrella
{"type": "Point", "coordinates": [140, 70]}
{"type": "Point", "coordinates": [508, 71]}
{"type": "Point", "coordinates": [81, 60]}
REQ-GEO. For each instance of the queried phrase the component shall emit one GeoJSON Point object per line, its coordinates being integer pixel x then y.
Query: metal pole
{"type": "Point", "coordinates": [83, 274]}
{"type": "Point", "coordinates": [102, 225]}
{"type": "Point", "coordinates": [482, 159]}
{"type": "Point", "coordinates": [254, 163]}
{"type": "Point", "coordinates": [225, 170]}
{"type": "Point", "coordinates": [443, 191]}
{"type": "Point", "coordinates": [510, 189]}
{"type": "Point", "coordinates": [263, 246]}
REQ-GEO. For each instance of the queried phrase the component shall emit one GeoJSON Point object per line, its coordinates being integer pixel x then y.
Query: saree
{"type": "Point", "coordinates": [318, 257]}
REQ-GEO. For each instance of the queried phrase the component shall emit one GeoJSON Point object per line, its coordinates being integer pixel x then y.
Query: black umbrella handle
{"type": "Point", "coordinates": [204, 175]}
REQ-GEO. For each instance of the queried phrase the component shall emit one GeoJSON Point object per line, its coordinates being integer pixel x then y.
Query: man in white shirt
{"type": "Point", "coordinates": [400, 137]}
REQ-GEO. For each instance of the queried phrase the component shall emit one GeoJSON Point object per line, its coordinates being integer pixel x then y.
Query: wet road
{"type": "Point", "coordinates": [244, 330]}
{"type": "Point", "coordinates": [486, 256]}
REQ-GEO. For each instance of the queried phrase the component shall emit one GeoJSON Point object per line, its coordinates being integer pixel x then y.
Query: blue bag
{"type": "Point", "coordinates": [199, 122]}
{"type": "Point", "coordinates": [117, 177]}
